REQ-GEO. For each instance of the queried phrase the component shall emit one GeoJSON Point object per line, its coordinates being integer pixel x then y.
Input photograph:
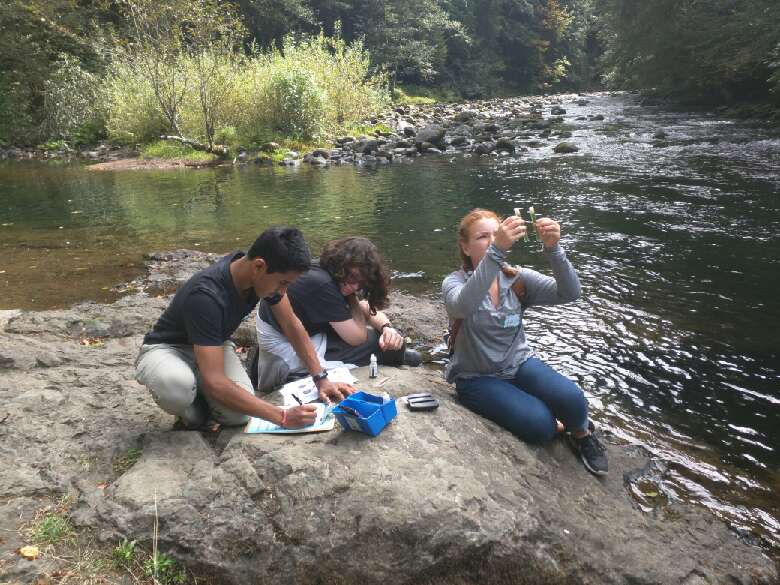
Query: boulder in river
{"type": "Point", "coordinates": [566, 148]}
{"type": "Point", "coordinates": [485, 147]}
{"type": "Point", "coordinates": [504, 143]}
{"type": "Point", "coordinates": [433, 134]}
{"type": "Point", "coordinates": [321, 152]}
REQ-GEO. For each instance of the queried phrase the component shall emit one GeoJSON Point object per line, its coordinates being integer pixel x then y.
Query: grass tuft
{"type": "Point", "coordinates": [165, 149]}
{"type": "Point", "coordinates": [126, 461]}
{"type": "Point", "coordinates": [52, 528]}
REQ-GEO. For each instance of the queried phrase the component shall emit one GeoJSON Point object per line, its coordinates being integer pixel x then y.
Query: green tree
{"type": "Point", "coordinates": [718, 50]}
{"type": "Point", "coordinates": [34, 35]}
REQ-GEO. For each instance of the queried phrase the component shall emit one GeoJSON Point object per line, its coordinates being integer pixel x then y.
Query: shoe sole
{"type": "Point", "coordinates": [589, 468]}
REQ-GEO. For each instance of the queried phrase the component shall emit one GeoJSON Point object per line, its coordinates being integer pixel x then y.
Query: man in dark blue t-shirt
{"type": "Point", "coordinates": [188, 362]}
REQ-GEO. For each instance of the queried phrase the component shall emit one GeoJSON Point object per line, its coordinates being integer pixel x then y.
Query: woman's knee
{"type": "Point", "coordinates": [576, 407]}
{"type": "Point", "coordinates": [538, 430]}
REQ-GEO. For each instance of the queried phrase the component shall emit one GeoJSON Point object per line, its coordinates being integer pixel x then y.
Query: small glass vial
{"type": "Point", "coordinates": [373, 367]}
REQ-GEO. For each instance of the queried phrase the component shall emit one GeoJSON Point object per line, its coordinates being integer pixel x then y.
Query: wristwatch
{"type": "Point", "coordinates": [382, 328]}
{"type": "Point", "coordinates": [321, 376]}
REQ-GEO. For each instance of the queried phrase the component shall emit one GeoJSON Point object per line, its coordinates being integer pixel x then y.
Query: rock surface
{"type": "Point", "coordinates": [441, 497]}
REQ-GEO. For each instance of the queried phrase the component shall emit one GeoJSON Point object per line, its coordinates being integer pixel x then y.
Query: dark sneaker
{"type": "Point", "coordinates": [412, 358]}
{"type": "Point", "coordinates": [210, 426]}
{"type": "Point", "coordinates": [591, 451]}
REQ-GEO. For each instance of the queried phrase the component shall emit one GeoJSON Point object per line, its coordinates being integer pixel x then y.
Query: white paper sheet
{"type": "Point", "coordinates": [305, 390]}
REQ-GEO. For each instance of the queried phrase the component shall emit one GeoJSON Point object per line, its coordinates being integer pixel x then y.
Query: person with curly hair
{"type": "Point", "coordinates": [338, 305]}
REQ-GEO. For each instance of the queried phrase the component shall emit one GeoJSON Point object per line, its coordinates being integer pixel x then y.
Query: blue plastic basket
{"type": "Point", "coordinates": [375, 412]}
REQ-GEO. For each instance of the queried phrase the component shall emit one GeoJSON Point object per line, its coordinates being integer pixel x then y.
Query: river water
{"type": "Point", "coordinates": [677, 247]}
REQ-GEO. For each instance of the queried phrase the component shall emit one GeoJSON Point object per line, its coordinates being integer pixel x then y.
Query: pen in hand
{"type": "Point", "coordinates": [298, 400]}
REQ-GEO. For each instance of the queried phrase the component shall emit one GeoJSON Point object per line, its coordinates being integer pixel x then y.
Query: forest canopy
{"type": "Point", "coordinates": [62, 62]}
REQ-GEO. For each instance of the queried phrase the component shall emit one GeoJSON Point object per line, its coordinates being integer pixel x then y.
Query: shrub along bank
{"type": "Point", "coordinates": [306, 91]}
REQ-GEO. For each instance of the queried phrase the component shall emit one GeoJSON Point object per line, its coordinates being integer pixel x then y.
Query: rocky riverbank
{"type": "Point", "coordinates": [480, 128]}
{"type": "Point", "coordinates": [472, 128]}
{"type": "Point", "coordinates": [442, 497]}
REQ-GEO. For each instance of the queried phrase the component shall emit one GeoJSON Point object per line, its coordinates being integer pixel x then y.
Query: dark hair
{"type": "Point", "coordinates": [340, 256]}
{"type": "Point", "coordinates": [283, 249]}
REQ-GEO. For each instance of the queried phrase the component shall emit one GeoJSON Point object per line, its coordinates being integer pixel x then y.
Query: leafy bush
{"type": "Point", "coordinates": [309, 88]}
{"type": "Point", "coordinates": [343, 72]}
{"type": "Point", "coordinates": [131, 115]}
{"type": "Point", "coordinates": [294, 103]}
{"type": "Point", "coordinates": [71, 98]}
{"type": "Point", "coordinates": [16, 124]}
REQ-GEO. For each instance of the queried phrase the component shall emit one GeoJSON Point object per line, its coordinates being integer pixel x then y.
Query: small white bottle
{"type": "Point", "coordinates": [373, 367]}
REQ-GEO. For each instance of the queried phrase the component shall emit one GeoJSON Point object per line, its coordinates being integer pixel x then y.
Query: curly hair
{"type": "Point", "coordinates": [340, 256]}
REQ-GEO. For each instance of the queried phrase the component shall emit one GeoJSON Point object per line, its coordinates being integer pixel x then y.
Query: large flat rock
{"type": "Point", "coordinates": [444, 493]}
{"type": "Point", "coordinates": [441, 497]}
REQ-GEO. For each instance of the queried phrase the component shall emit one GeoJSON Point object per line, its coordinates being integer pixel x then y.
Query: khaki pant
{"type": "Point", "coordinates": [170, 373]}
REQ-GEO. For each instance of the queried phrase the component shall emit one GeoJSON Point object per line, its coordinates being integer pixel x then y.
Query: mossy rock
{"type": "Point", "coordinates": [566, 148]}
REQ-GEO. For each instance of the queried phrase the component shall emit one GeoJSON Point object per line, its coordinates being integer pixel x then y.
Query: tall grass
{"type": "Point", "coordinates": [308, 90]}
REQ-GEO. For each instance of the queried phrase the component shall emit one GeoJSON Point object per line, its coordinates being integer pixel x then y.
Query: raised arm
{"type": "Point", "coordinates": [564, 285]}
{"type": "Point", "coordinates": [463, 297]}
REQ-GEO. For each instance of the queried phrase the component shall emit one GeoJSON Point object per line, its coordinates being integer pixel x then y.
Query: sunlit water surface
{"type": "Point", "coordinates": [674, 341]}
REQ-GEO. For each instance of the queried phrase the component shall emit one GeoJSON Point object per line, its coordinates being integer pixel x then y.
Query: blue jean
{"type": "Point", "coordinates": [528, 404]}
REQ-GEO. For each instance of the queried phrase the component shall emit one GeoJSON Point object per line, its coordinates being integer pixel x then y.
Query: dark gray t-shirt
{"type": "Point", "coordinates": [206, 310]}
{"type": "Point", "coordinates": [316, 300]}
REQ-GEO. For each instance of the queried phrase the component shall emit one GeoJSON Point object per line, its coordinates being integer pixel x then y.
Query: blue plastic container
{"type": "Point", "coordinates": [375, 412]}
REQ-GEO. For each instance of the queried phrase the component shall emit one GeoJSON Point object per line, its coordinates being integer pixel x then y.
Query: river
{"type": "Point", "coordinates": [677, 244]}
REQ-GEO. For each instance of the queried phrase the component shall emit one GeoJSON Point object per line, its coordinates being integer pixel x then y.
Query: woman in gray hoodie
{"type": "Point", "coordinates": [492, 366]}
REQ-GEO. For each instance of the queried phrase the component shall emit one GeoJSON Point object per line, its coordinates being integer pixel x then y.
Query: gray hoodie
{"type": "Point", "coordinates": [491, 340]}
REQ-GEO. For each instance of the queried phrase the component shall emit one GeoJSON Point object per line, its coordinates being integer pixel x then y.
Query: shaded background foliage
{"type": "Point", "coordinates": [714, 51]}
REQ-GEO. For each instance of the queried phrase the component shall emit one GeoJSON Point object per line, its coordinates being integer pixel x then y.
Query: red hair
{"type": "Point", "coordinates": [464, 230]}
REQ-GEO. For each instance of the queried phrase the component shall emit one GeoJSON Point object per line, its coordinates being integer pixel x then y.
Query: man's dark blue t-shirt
{"type": "Point", "coordinates": [206, 310]}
